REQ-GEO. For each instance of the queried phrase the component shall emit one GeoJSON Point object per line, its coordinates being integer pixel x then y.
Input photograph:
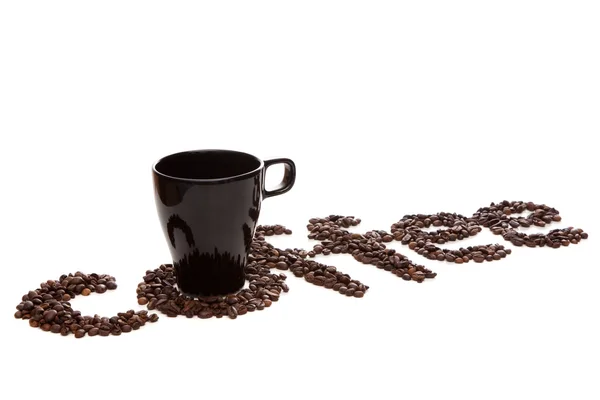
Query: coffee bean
{"type": "Point", "coordinates": [478, 258]}
{"type": "Point", "coordinates": [160, 302]}
{"type": "Point", "coordinates": [49, 315]}
{"type": "Point", "coordinates": [27, 306]}
{"type": "Point", "coordinates": [281, 265]}
{"type": "Point", "coordinates": [232, 312]}
{"type": "Point", "coordinates": [76, 280]}
{"type": "Point", "coordinates": [93, 332]}
{"type": "Point", "coordinates": [111, 285]}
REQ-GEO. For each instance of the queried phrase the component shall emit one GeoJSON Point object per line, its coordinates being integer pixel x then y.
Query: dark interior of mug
{"type": "Point", "coordinates": [207, 164]}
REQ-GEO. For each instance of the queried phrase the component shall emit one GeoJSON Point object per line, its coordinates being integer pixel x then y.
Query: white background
{"type": "Point", "coordinates": [388, 108]}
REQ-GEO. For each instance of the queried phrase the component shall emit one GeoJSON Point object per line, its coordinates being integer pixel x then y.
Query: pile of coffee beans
{"type": "Point", "coordinates": [368, 248]}
{"type": "Point", "coordinates": [49, 309]}
{"type": "Point", "coordinates": [158, 290]}
{"type": "Point", "coordinates": [497, 218]}
{"type": "Point", "coordinates": [296, 260]}
{"type": "Point", "coordinates": [409, 231]}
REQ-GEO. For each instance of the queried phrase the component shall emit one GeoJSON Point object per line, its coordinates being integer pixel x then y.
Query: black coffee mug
{"type": "Point", "coordinates": [208, 203]}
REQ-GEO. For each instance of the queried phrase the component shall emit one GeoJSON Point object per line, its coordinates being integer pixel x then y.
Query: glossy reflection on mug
{"type": "Point", "coordinates": [208, 203]}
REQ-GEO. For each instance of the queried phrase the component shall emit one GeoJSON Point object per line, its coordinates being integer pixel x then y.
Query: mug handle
{"type": "Point", "coordinates": [289, 177]}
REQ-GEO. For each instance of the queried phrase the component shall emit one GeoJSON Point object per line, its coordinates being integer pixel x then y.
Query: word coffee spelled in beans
{"type": "Point", "coordinates": [49, 309]}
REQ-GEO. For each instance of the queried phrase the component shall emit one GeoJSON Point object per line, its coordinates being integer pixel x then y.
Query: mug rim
{"type": "Point", "coordinates": [209, 180]}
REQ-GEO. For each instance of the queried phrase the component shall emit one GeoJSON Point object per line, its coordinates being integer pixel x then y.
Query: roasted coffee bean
{"type": "Point", "coordinates": [27, 305]}
{"type": "Point", "coordinates": [282, 265]}
{"type": "Point", "coordinates": [76, 280]}
{"type": "Point", "coordinates": [232, 312]}
{"type": "Point", "coordinates": [49, 315]}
